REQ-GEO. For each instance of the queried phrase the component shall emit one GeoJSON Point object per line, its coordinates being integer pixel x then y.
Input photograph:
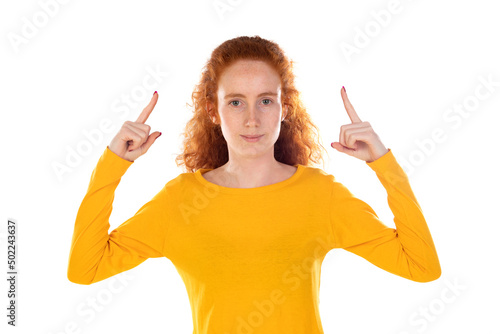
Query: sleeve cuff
{"type": "Point", "coordinates": [385, 162]}
{"type": "Point", "coordinates": [113, 163]}
{"type": "Point", "coordinates": [388, 167]}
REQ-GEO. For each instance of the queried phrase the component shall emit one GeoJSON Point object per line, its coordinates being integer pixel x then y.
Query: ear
{"type": "Point", "coordinates": [285, 111]}
{"type": "Point", "coordinates": [210, 110]}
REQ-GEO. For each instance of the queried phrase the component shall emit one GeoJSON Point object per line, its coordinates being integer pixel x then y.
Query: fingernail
{"type": "Point", "coordinates": [154, 93]}
{"type": "Point", "coordinates": [343, 88]}
{"type": "Point", "coordinates": [159, 135]}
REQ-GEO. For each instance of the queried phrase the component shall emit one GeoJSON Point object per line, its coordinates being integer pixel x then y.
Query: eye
{"type": "Point", "coordinates": [267, 100]}
{"type": "Point", "coordinates": [233, 104]}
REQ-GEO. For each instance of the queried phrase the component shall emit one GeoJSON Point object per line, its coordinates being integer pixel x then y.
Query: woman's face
{"type": "Point", "coordinates": [249, 104]}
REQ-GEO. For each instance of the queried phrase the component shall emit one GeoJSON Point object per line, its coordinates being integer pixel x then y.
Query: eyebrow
{"type": "Point", "coordinates": [241, 95]}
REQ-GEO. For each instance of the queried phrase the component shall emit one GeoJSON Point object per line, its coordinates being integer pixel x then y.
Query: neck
{"type": "Point", "coordinates": [251, 172]}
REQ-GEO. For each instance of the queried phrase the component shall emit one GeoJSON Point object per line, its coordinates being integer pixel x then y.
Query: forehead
{"type": "Point", "coordinates": [250, 76]}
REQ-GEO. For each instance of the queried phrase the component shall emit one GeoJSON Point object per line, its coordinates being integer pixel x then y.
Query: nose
{"type": "Point", "coordinates": [252, 116]}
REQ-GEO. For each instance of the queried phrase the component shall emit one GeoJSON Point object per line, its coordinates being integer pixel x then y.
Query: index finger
{"type": "Point", "coordinates": [149, 108]}
{"type": "Point", "coordinates": [348, 106]}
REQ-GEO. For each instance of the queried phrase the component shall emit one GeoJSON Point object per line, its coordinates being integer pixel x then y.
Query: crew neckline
{"type": "Point", "coordinates": [270, 187]}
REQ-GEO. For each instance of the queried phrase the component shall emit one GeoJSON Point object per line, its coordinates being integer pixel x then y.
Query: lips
{"type": "Point", "coordinates": [252, 136]}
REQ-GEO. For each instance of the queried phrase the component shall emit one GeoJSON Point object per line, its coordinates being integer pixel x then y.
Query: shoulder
{"type": "Point", "coordinates": [317, 178]}
{"type": "Point", "coordinates": [316, 172]}
{"type": "Point", "coordinates": [180, 181]}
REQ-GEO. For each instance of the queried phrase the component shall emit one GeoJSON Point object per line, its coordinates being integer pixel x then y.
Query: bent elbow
{"type": "Point", "coordinates": [429, 275]}
{"type": "Point", "coordinates": [435, 274]}
{"type": "Point", "coordinates": [76, 278]}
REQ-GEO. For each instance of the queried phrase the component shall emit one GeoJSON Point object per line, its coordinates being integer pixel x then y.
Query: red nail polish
{"type": "Point", "coordinates": [159, 135]}
{"type": "Point", "coordinates": [344, 89]}
{"type": "Point", "coordinates": [154, 93]}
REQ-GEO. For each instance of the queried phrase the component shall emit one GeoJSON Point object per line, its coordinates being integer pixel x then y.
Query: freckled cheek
{"type": "Point", "coordinates": [230, 127]}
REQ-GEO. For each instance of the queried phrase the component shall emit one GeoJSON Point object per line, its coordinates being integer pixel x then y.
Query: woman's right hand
{"type": "Point", "coordinates": [133, 139]}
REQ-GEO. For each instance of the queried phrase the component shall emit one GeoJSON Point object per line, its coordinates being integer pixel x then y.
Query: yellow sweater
{"type": "Point", "coordinates": [251, 258]}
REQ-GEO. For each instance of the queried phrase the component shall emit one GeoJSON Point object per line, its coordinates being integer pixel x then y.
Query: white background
{"type": "Point", "coordinates": [72, 71]}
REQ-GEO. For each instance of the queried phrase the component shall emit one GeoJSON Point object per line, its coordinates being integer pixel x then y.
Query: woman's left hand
{"type": "Point", "coordinates": [358, 139]}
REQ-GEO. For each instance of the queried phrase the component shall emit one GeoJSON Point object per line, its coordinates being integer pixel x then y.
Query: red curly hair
{"type": "Point", "coordinates": [204, 145]}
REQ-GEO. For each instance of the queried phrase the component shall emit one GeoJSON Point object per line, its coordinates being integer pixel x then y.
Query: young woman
{"type": "Point", "coordinates": [249, 223]}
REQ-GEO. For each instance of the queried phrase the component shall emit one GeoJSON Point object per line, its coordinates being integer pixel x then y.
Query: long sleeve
{"type": "Point", "coordinates": [407, 251]}
{"type": "Point", "coordinates": [96, 255]}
